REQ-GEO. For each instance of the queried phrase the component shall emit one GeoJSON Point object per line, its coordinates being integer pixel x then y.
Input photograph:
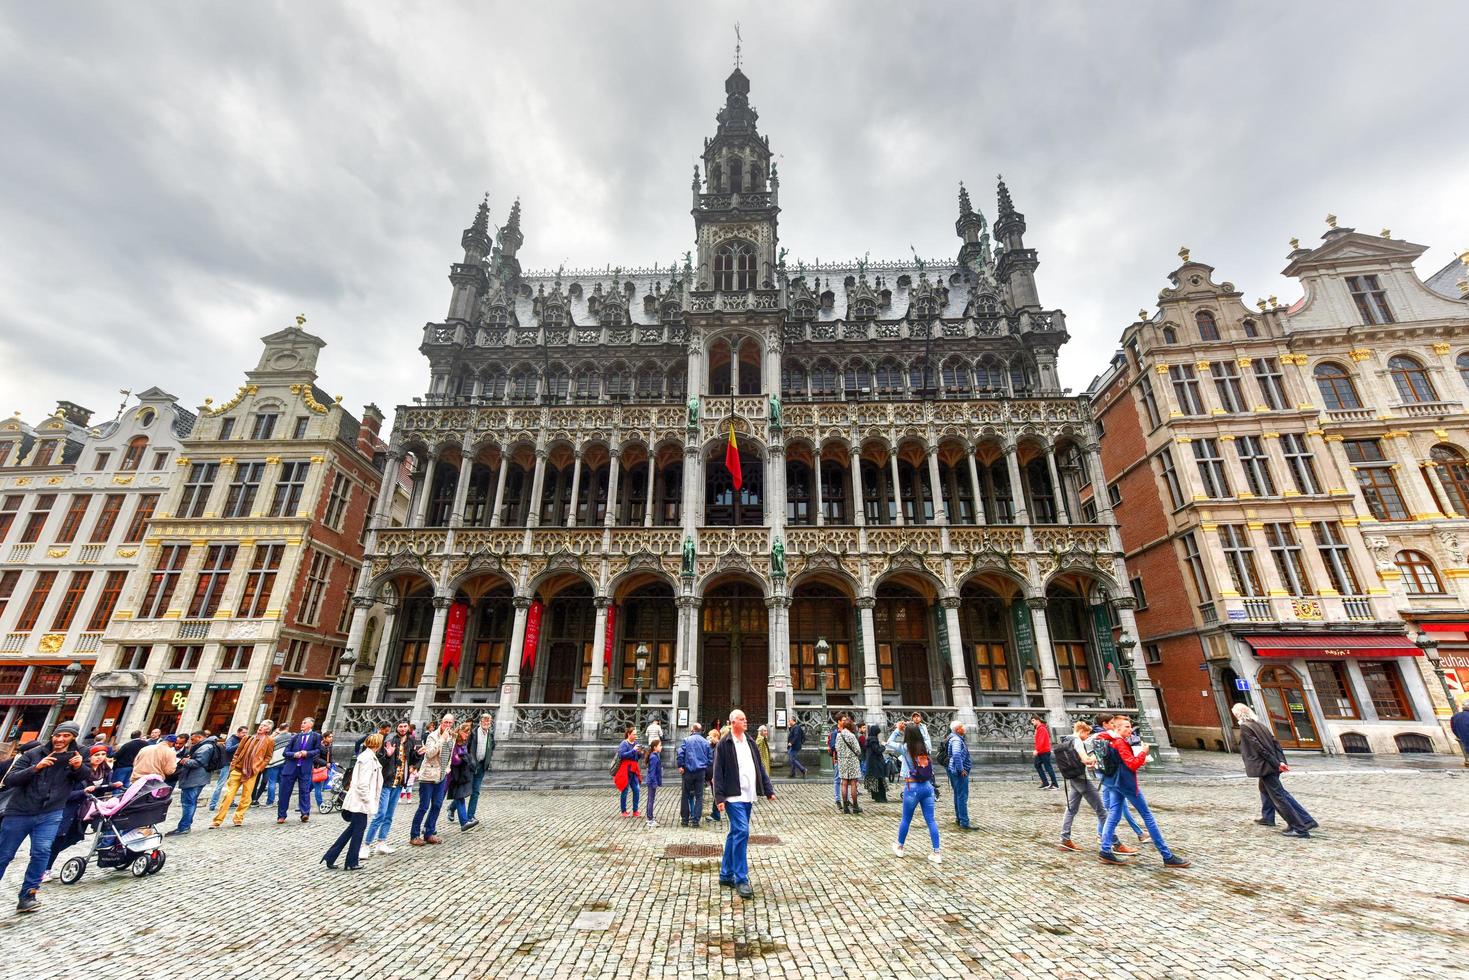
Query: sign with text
{"type": "Point", "coordinates": [532, 635]}
{"type": "Point", "coordinates": [454, 634]}
{"type": "Point", "coordinates": [607, 638]}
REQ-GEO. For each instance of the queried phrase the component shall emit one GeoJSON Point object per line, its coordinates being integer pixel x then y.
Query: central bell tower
{"type": "Point", "coordinates": [736, 204]}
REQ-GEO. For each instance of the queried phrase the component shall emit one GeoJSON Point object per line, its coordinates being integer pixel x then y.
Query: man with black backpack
{"type": "Point", "coordinates": [202, 759]}
{"type": "Point", "coordinates": [1073, 757]}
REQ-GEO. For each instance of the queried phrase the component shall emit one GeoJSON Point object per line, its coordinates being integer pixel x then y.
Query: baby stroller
{"type": "Point", "coordinates": [332, 794]}
{"type": "Point", "coordinates": [125, 831]}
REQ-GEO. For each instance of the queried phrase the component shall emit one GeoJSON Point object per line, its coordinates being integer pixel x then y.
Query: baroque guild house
{"type": "Point", "coordinates": [744, 481]}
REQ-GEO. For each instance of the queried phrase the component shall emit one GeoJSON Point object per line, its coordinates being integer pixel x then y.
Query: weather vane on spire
{"type": "Point", "coordinates": [737, 45]}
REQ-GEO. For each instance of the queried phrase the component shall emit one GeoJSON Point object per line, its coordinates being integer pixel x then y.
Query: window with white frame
{"type": "Point", "coordinates": [1256, 465]}
{"type": "Point", "coordinates": [1285, 551]}
{"type": "Point", "coordinates": [1299, 461]}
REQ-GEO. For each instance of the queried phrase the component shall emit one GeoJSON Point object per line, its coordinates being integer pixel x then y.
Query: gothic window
{"type": "Point", "coordinates": [650, 619]}
{"type": "Point", "coordinates": [1462, 363]}
{"type": "Point", "coordinates": [1336, 387]}
{"type": "Point", "coordinates": [724, 506]}
{"type": "Point", "coordinates": [1419, 575]}
{"type": "Point", "coordinates": [650, 381]}
{"type": "Point", "coordinates": [557, 384]}
{"type": "Point", "coordinates": [864, 309]}
{"type": "Point", "coordinates": [956, 376]}
{"type": "Point", "coordinates": [670, 496]}
{"type": "Point", "coordinates": [889, 377]}
{"type": "Point", "coordinates": [1250, 329]}
{"type": "Point", "coordinates": [1208, 326]}
{"type": "Point", "coordinates": [1021, 380]}
{"type": "Point", "coordinates": [588, 383]}
{"type": "Point", "coordinates": [876, 503]}
{"type": "Point", "coordinates": [677, 378]}
{"type": "Point", "coordinates": [734, 267]}
{"type": "Point", "coordinates": [920, 376]}
{"type": "Point", "coordinates": [523, 384]}
{"type": "Point", "coordinates": [793, 380]}
{"type": "Point", "coordinates": [492, 384]}
{"type": "Point", "coordinates": [499, 317]}
{"type": "Point", "coordinates": [1411, 380]}
{"type": "Point", "coordinates": [798, 494]}
{"type": "Point", "coordinates": [1070, 641]}
{"type": "Point", "coordinates": [925, 308]}
{"type": "Point", "coordinates": [857, 379]}
{"type": "Point", "coordinates": [1042, 495]}
{"type": "Point", "coordinates": [834, 485]}
{"type": "Point", "coordinates": [821, 612]}
{"type": "Point", "coordinates": [989, 375]}
{"type": "Point", "coordinates": [552, 315]}
{"type": "Point", "coordinates": [517, 488]}
{"type": "Point", "coordinates": [805, 309]}
{"type": "Point", "coordinates": [917, 495]}
{"type": "Point", "coordinates": [736, 175]}
{"type": "Point", "coordinates": [824, 380]}
{"type": "Point", "coordinates": [619, 381]}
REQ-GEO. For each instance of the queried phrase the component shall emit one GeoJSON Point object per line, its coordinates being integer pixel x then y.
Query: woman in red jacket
{"type": "Point", "coordinates": [628, 776]}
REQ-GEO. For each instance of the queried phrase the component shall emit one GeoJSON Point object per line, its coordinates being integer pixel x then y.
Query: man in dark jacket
{"type": "Point", "coordinates": [480, 752]}
{"type": "Point", "coordinates": [203, 753]}
{"type": "Point", "coordinates": [739, 776]}
{"type": "Point", "coordinates": [693, 763]}
{"type": "Point", "coordinates": [795, 738]}
{"type": "Point", "coordinates": [1265, 761]}
{"type": "Point", "coordinates": [301, 753]}
{"type": "Point", "coordinates": [122, 759]}
{"type": "Point", "coordinates": [42, 778]}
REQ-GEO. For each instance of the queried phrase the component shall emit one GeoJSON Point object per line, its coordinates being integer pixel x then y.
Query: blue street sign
{"type": "Point", "coordinates": [1240, 684]}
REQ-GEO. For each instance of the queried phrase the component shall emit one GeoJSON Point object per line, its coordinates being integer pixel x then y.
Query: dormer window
{"type": "Point", "coordinates": [499, 317]}
{"type": "Point", "coordinates": [44, 452]}
{"type": "Point", "coordinates": [805, 310]}
{"type": "Point", "coordinates": [864, 309]}
{"type": "Point", "coordinates": [264, 426]}
{"type": "Point", "coordinates": [734, 266]}
{"type": "Point", "coordinates": [1170, 336]}
{"type": "Point", "coordinates": [1208, 326]}
{"type": "Point", "coordinates": [1370, 298]}
{"type": "Point", "coordinates": [226, 428]}
{"type": "Point", "coordinates": [133, 457]}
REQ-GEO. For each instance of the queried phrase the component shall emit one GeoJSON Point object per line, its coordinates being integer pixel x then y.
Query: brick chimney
{"type": "Point", "coordinates": [369, 438]}
{"type": "Point", "coordinates": [74, 413]}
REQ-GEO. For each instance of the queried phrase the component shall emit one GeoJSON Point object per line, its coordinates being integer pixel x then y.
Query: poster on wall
{"type": "Point", "coordinates": [532, 636]}
{"type": "Point", "coordinates": [607, 640]}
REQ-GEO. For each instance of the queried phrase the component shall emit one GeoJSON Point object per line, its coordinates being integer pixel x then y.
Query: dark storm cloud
{"type": "Point", "coordinates": [180, 179]}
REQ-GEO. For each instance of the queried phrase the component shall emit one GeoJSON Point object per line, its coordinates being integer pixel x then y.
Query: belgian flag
{"type": "Point", "coordinates": [732, 459]}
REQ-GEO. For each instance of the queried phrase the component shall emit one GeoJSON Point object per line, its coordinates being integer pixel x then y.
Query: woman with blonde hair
{"type": "Point", "coordinates": [359, 805]}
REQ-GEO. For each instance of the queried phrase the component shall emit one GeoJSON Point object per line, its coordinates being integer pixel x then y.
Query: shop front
{"type": "Point", "coordinates": [1453, 657]}
{"type": "Point", "coordinates": [1358, 693]}
{"type": "Point", "coordinates": [169, 701]}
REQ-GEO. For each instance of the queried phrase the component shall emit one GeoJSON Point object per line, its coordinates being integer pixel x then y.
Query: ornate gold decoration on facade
{"type": "Point", "coordinates": [1295, 243]}
{"type": "Point", "coordinates": [273, 460]}
{"type": "Point", "coordinates": [53, 481]}
{"type": "Point", "coordinates": [226, 461]}
{"type": "Point", "coordinates": [121, 480]}
{"type": "Point", "coordinates": [318, 459]}
{"type": "Point", "coordinates": [127, 552]}
{"type": "Point", "coordinates": [1386, 233]}
{"type": "Point", "coordinates": [1359, 354]}
{"type": "Point", "coordinates": [1183, 253]}
{"type": "Point", "coordinates": [249, 389]}
{"type": "Point", "coordinates": [57, 552]}
{"type": "Point", "coordinates": [51, 642]}
{"type": "Point", "coordinates": [1441, 348]}
{"type": "Point", "coordinates": [1331, 221]}
{"type": "Point", "coordinates": [310, 400]}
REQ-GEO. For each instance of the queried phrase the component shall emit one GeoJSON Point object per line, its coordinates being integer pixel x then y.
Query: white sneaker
{"type": "Point", "coordinates": [935, 858]}
{"type": "Point", "coordinates": [47, 876]}
{"type": "Point", "coordinates": [383, 848]}
{"type": "Point", "coordinates": [652, 824]}
{"type": "Point", "coordinates": [898, 849]}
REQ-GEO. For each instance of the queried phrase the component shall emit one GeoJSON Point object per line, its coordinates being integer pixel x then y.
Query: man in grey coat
{"type": "Point", "coordinates": [1265, 760]}
{"type": "Point", "coordinates": [195, 763]}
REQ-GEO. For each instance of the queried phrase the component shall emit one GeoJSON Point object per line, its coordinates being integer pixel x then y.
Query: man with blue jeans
{"type": "Point", "coordinates": [230, 744]}
{"type": "Point", "coordinates": [958, 770]}
{"type": "Point", "coordinates": [437, 754]}
{"type": "Point", "coordinates": [41, 780]}
{"type": "Point", "coordinates": [193, 776]}
{"type": "Point", "coordinates": [795, 738]}
{"type": "Point", "coordinates": [295, 771]}
{"type": "Point", "coordinates": [481, 749]}
{"type": "Point", "coordinates": [694, 756]}
{"type": "Point", "coordinates": [396, 758]}
{"type": "Point", "coordinates": [739, 776]}
{"type": "Point", "coordinates": [1119, 769]}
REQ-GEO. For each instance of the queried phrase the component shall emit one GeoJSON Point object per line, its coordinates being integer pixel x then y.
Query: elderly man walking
{"type": "Point", "coordinates": [1265, 761]}
{"type": "Point", "coordinates": [301, 753]}
{"type": "Point", "coordinates": [739, 776]}
{"type": "Point", "coordinates": [40, 781]}
{"type": "Point", "coordinates": [958, 770]}
{"type": "Point", "coordinates": [249, 761]}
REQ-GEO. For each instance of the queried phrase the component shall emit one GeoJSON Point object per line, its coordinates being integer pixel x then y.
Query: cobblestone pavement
{"type": "Point", "coordinates": [1379, 892]}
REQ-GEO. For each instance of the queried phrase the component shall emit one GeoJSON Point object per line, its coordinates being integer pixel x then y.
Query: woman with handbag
{"type": "Point", "coordinates": [321, 772]}
{"type": "Point", "coordinates": [626, 775]}
{"type": "Point", "coordinates": [358, 806]}
{"type": "Point", "coordinates": [917, 787]}
{"type": "Point", "coordinates": [461, 779]}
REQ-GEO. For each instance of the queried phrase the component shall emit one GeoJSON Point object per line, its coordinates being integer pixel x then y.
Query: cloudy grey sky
{"type": "Point", "coordinates": [179, 179]}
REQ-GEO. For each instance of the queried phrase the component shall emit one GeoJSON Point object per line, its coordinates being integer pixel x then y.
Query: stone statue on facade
{"type": "Point", "coordinates": [777, 559]}
{"type": "Point", "coordinates": [693, 411]}
{"type": "Point", "coordinates": [774, 412]}
{"type": "Point", "coordinates": [688, 556]}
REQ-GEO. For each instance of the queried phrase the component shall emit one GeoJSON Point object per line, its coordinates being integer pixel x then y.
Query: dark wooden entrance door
{"type": "Point", "coordinates": [736, 648]}
{"type": "Point", "coordinates": [913, 673]}
{"type": "Point", "coordinates": [560, 672]}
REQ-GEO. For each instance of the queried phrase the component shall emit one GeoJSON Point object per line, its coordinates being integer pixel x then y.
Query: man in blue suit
{"type": "Point", "coordinates": [301, 753]}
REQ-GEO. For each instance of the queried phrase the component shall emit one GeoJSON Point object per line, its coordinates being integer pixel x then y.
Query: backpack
{"type": "Point", "coordinates": [1068, 760]}
{"type": "Point", "coordinates": [215, 760]}
{"type": "Point", "coordinates": [1108, 757]}
{"type": "Point", "coordinates": [941, 753]}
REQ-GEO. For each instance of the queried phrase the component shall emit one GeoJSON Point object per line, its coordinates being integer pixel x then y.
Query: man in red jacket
{"type": "Point", "coordinates": [1043, 767]}
{"type": "Point", "coordinates": [1119, 774]}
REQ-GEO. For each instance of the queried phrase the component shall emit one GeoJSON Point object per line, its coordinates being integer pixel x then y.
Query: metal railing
{"type": "Point", "coordinates": [549, 719]}
{"type": "Point", "coordinates": [617, 717]}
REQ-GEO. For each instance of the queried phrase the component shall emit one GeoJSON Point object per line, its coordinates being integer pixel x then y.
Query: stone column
{"type": "Point", "coordinates": [779, 686]}
{"type": "Point", "coordinates": [871, 681]}
{"type": "Point", "coordinates": [820, 517]}
{"type": "Point", "coordinates": [775, 485]}
{"type": "Point", "coordinates": [1051, 695]}
{"type": "Point", "coordinates": [592, 717]}
{"type": "Point", "coordinates": [425, 488]}
{"type": "Point", "coordinates": [362, 604]}
{"type": "Point", "coordinates": [575, 490]}
{"type": "Point", "coordinates": [428, 683]}
{"type": "Point", "coordinates": [896, 487]}
{"type": "Point", "coordinates": [652, 483]}
{"type": "Point", "coordinates": [510, 690]}
{"type": "Point", "coordinates": [962, 697]}
{"type": "Point", "coordinates": [499, 490]}
{"type": "Point", "coordinates": [686, 680]}
{"type": "Point", "coordinates": [384, 652]}
{"type": "Point", "coordinates": [693, 483]}
{"type": "Point", "coordinates": [975, 488]}
{"type": "Point", "coordinates": [383, 507]}
{"type": "Point", "coordinates": [613, 475]}
{"type": "Point", "coordinates": [940, 509]}
{"type": "Point", "coordinates": [859, 505]}
{"type": "Point", "coordinates": [1058, 489]}
{"type": "Point", "coordinates": [1093, 463]}
{"type": "Point", "coordinates": [461, 489]}
{"type": "Point", "coordinates": [1017, 489]}
{"type": "Point", "coordinates": [1435, 479]}
{"type": "Point", "coordinates": [538, 485]}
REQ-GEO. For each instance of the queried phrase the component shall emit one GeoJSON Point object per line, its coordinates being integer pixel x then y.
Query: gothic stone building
{"type": "Point", "coordinates": [909, 503]}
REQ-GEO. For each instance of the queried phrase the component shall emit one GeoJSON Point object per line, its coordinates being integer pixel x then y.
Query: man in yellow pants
{"type": "Point", "coordinates": [249, 762]}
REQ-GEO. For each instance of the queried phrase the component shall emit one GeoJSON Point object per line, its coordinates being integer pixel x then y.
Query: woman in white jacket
{"type": "Point", "coordinates": [359, 805]}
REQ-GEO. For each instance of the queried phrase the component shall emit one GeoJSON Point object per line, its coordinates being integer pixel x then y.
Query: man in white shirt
{"type": "Point", "coordinates": [739, 776]}
{"type": "Point", "coordinates": [654, 733]}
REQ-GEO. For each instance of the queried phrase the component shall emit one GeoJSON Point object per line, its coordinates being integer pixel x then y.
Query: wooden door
{"type": "Point", "coordinates": [1285, 702]}
{"type": "Point", "coordinates": [754, 679]}
{"type": "Point", "coordinates": [913, 673]}
{"type": "Point", "coordinates": [714, 695]}
{"type": "Point", "coordinates": [560, 672]}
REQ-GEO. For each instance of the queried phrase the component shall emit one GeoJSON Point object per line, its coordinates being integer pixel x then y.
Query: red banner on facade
{"type": "Point", "coordinates": [532, 636]}
{"type": "Point", "coordinates": [454, 634]}
{"type": "Point", "coordinates": [607, 641]}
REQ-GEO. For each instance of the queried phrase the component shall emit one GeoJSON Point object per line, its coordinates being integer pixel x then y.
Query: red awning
{"type": "Point", "coordinates": [8, 700]}
{"type": "Point", "coordinates": [1444, 627]}
{"type": "Point", "coordinates": [1333, 647]}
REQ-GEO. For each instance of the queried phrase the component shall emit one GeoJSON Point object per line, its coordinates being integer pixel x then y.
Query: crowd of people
{"type": "Point", "coordinates": [44, 784]}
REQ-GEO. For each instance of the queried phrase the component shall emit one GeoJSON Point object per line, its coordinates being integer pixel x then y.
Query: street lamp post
{"type": "Point", "coordinates": [1127, 644]}
{"type": "Point", "coordinates": [64, 685]}
{"type": "Point", "coordinates": [637, 723]}
{"type": "Point", "coordinates": [1429, 646]}
{"type": "Point", "coordinates": [345, 667]}
{"type": "Point", "coordinates": [823, 654]}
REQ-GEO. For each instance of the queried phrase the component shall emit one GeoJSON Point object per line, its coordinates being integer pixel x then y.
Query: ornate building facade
{"type": "Point", "coordinates": [909, 510]}
{"type": "Point", "coordinates": [239, 605]}
{"type": "Point", "coordinates": [75, 504]}
{"type": "Point", "coordinates": [1300, 471]}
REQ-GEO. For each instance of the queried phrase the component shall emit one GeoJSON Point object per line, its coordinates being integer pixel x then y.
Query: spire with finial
{"type": "Point", "coordinates": [964, 206]}
{"type": "Point", "coordinates": [476, 238]}
{"type": "Point", "coordinates": [737, 45]}
{"type": "Point", "coordinates": [1007, 207]}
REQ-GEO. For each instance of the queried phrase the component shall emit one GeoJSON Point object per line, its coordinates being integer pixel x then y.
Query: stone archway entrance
{"type": "Point", "coordinates": [735, 669]}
